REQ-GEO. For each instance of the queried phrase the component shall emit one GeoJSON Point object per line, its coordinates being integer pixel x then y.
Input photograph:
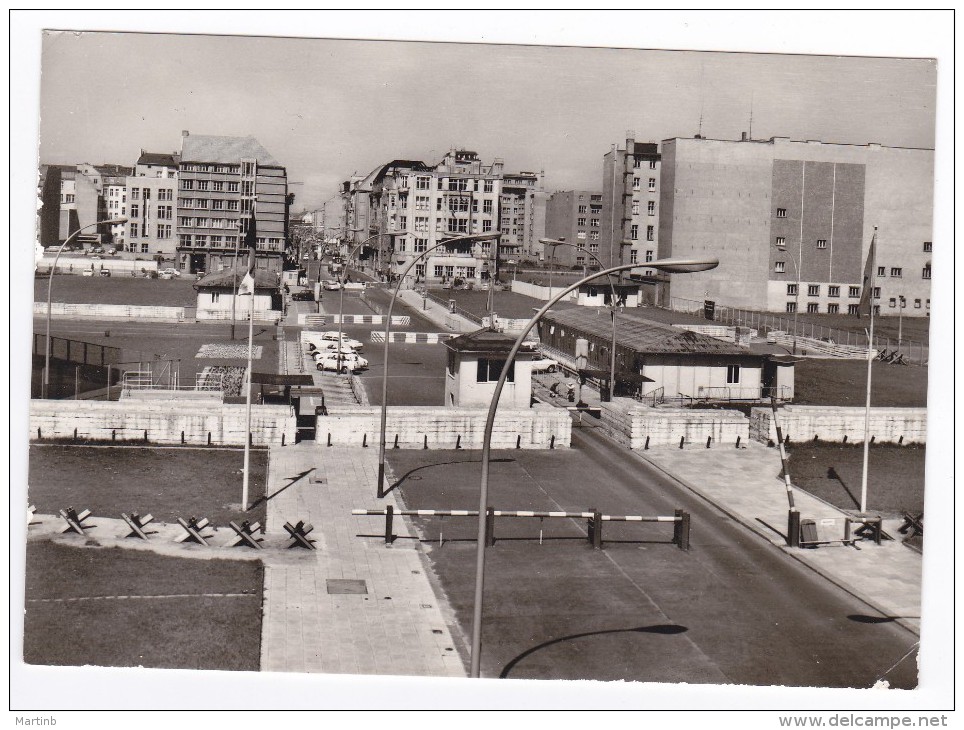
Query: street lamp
{"type": "Point", "coordinates": [388, 324]}
{"type": "Point", "coordinates": [796, 304]}
{"type": "Point", "coordinates": [612, 360]}
{"type": "Point", "coordinates": [674, 266]}
{"type": "Point", "coordinates": [50, 286]}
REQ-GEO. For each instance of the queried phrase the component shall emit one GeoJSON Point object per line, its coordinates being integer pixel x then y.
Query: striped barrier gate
{"type": "Point", "coordinates": [594, 520]}
{"type": "Point", "coordinates": [412, 337]}
{"type": "Point", "coordinates": [398, 320]}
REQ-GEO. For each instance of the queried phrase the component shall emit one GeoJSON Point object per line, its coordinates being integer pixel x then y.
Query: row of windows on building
{"type": "Point", "coordinates": [162, 194]}
{"type": "Point", "coordinates": [245, 187]}
{"type": "Point", "coordinates": [634, 233]}
{"type": "Point", "coordinates": [462, 205]}
{"type": "Point", "coordinates": [896, 272]}
{"type": "Point", "coordinates": [453, 184]}
{"type": "Point", "coordinates": [139, 230]}
{"type": "Point", "coordinates": [834, 308]}
{"type": "Point", "coordinates": [638, 184]}
{"type": "Point", "coordinates": [638, 162]}
{"type": "Point", "coordinates": [594, 209]}
{"type": "Point", "coordinates": [188, 240]}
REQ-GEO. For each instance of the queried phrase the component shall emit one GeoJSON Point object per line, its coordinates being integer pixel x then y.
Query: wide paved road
{"type": "Point", "coordinates": [733, 609]}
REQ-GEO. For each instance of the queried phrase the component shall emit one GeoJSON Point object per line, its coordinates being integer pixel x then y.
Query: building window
{"type": "Point", "coordinates": [637, 162]}
{"type": "Point", "coordinates": [926, 272]}
{"type": "Point", "coordinates": [633, 256]}
{"type": "Point", "coordinates": [594, 236]}
{"type": "Point", "coordinates": [781, 240]}
{"type": "Point", "coordinates": [594, 222]}
{"type": "Point", "coordinates": [813, 307]}
{"type": "Point", "coordinates": [651, 208]}
{"type": "Point", "coordinates": [732, 374]}
{"type": "Point", "coordinates": [164, 230]}
{"type": "Point", "coordinates": [487, 187]}
{"type": "Point", "coordinates": [486, 226]}
{"type": "Point", "coordinates": [876, 292]}
{"type": "Point", "coordinates": [917, 303]}
{"type": "Point", "coordinates": [135, 230]}
{"type": "Point", "coordinates": [781, 212]}
{"type": "Point", "coordinates": [791, 290]}
{"type": "Point", "coordinates": [928, 305]}
{"type": "Point", "coordinates": [853, 308]}
{"type": "Point", "coordinates": [135, 211]}
{"type": "Point", "coordinates": [833, 309]}
{"type": "Point", "coordinates": [892, 302]}
{"type": "Point", "coordinates": [854, 292]}
{"type": "Point", "coordinates": [232, 205]}
{"type": "Point", "coordinates": [438, 271]}
{"type": "Point", "coordinates": [583, 208]}
{"type": "Point", "coordinates": [652, 164]}
{"type": "Point", "coordinates": [635, 207]}
{"type": "Point", "coordinates": [896, 271]}
{"type": "Point", "coordinates": [813, 290]}
{"type": "Point", "coordinates": [650, 233]}
{"type": "Point", "coordinates": [581, 222]}
{"type": "Point", "coordinates": [791, 307]}
{"type": "Point", "coordinates": [833, 291]}
{"type": "Point", "coordinates": [593, 248]}
{"type": "Point", "coordinates": [649, 255]}
{"type": "Point", "coordinates": [780, 267]}
{"type": "Point", "coordinates": [217, 186]}
{"type": "Point", "coordinates": [232, 187]}
{"type": "Point", "coordinates": [136, 193]}
{"type": "Point", "coordinates": [636, 183]}
{"type": "Point", "coordinates": [927, 246]}
{"type": "Point", "coordinates": [821, 243]}
{"type": "Point", "coordinates": [185, 185]}
{"type": "Point", "coordinates": [488, 370]}
{"type": "Point", "coordinates": [652, 183]}
{"type": "Point", "coordinates": [882, 271]}
{"type": "Point", "coordinates": [634, 232]}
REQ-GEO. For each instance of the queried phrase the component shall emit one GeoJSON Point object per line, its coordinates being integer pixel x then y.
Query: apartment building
{"type": "Point", "coordinates": [631, 204]}
{"type": "Point", "coordinates": [460, 195]}
{"type": "Point", "coordinates": [522, 208]}
{"type": "Point", "coordinates": [574, 216]}
{"type": "Point", "coordinates": [220, 181]}
{"type": "Point", "coordinates": [792, 221]}
{"type": "Point", "coordinates": [151, 200]}
{"type": "Point", "coordinates": [85, 194]}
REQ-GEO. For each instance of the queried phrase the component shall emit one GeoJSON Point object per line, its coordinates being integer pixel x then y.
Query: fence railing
{"type": "Point", "coordinates": [76, 351]}
{"type": "Point", "coordinates": [458, 310]}
{"type": "Point", "coordinates": [913, 351]}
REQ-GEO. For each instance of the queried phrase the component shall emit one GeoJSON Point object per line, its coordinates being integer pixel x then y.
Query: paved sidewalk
{"type": "Point", "coordinates": [398, 627]}
{"type": "Point", "coordinates": [747, 484]}
{"type": "Point", "coordinates": [437, 313]}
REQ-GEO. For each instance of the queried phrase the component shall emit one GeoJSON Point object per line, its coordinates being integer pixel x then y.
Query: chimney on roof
{"type": "Point", "coordinates": [743, 137]}
{"type": "Point", "coordinates": [185, 133]}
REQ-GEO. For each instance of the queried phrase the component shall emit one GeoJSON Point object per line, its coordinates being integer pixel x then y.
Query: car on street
{"type": "Point", "coordinates": [96, 256]}
{"type": "Point", "coordinates": [341, 363]}
{"type": "Point", "coordinates": [329, 341]}
{"type": "Point", "coordinates": [547, 365]}
{"type": "Point", "coordinates": [169, 273]}
{"type": "Point", "coordinates": [88, 272]}
{"type": "Point", "coordinates": [305, 295]}
{"type": "Point", "coordinates": [331, 285]}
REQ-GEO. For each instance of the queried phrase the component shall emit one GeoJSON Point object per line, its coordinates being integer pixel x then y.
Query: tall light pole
{"type": "Point", "coordinates": [677, 266]}
{"type": "Point", "coordinates": [50, 286]}
{"type": "Point", "coordinates": [796, 304]}
{"type": "Point", "coordinates": [388, 326]}
{"type": "Point", "coordinates": [612, 287]}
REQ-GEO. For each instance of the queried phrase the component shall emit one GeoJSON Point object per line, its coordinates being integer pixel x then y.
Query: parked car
{"type": "Point", "coordinates": [110, 251]}
{"type": "Point", "coordinates": [88, 272]}
{"type": "Point", "coordinates": [96, 256]}
{"type": "Point", "coordinates": [105, 272]}
{"type": "Point", "coordinates": [172, 273]}
{"type": "Point", "coordinates": [545, 365]}
{"type": "Point", "coordinates": [342, 363]}
{"type": "Point", "coordinates": [306, 295]}
{"type": "Point", "coordinates": [331, 285]}
{"type": "Point", "coordinates": [329, 341]}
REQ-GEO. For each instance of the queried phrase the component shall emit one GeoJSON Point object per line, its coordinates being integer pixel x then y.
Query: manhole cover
{"type": "Point", "coordinates": [346, 585]}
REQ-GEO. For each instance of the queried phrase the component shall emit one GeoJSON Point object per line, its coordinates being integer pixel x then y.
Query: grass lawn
{"type": "Point", "coordinates": [147, 609]}
{"type": "Point", "coordinates": [118, 290]}
{"type": "Point", "coordinates": [167, 482]}
{"type": "Point", "coordinates": [916, 329]}
{"type": "Point", "coordinates": [895, 479]}
{"type": "Point", "coordinates": [844, 383]}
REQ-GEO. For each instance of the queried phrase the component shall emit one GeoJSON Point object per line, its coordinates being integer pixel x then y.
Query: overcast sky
{"type": "Point", "coordinates": [328, 108]}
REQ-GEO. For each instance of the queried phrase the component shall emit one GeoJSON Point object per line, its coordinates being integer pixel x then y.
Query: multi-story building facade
{"type": "Point", "coordinates": [85, 195]}
{"type": "Point", "coordinates": [220, 181]}
{"type": "Point", "coordinates": [575, 216]}
{"type": "Point", "coordinates": [458, 196]}
{"type": "Point", "coordinates": [630, 209]}
{"type": "Point", "coordinates": [793, 221]}
{"type": "Point", "coordinates": [523, 215]}
{"type": "Point", "coordinates": [152, 204]}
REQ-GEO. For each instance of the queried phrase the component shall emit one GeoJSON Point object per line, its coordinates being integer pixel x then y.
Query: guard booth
{"type": "Point", "coordinates": [475, 361]}
{"type": "Point", "coordinates": [298, 391]}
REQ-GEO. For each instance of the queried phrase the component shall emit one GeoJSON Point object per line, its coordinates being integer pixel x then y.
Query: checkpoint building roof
{"type": "Point", "coordinates": [643, 336]}
{"type": "Point", "coordinates": [486, 341]}
{"type": "Point", "coordinates": [230, 279]}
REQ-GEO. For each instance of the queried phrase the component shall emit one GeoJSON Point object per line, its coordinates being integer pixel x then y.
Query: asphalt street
{"type": "Point", "coordinates": [731, 610]}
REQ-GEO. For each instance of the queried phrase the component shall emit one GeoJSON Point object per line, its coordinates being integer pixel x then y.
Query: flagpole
{"type": "Point", "coordinates": [870, 362]}
{"type": "Point", "coordinates": [251, 237]}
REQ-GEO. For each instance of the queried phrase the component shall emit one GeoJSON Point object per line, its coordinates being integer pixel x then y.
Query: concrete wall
{"type": "Point", "coordinates": [109, 312]}
{"type": "Point", "coordinates": [163, 420]}
{"type": "Point", "coordinates": [833, 423]}
{"type": "Point", "coordinates": [77, 265]}
{"type": "Point", "coordinates": [540, 292]}
{"type": "Point", "coordinates": [443, 426]}
{"type": "Point", "coordinates": [632, 425]}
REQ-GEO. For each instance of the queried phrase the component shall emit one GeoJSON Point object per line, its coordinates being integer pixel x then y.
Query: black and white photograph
{"type": "Point", "coordinates": [383, 364]}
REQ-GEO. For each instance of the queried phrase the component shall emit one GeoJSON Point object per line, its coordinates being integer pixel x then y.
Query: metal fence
{"type": "Point", "coordinates": [913, 351]}
{"type": "Point", "coordinates": [458, 310]}
{"type": "Point", "coordinates": [76, 351]}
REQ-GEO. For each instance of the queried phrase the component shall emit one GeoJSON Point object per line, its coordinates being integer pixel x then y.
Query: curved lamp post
{"type": "Point", "coordinates": [676, 266]}
{"type": "Point", "coordinates": [344, 277]}
{"type": "Point", "coordinates": [612, 288]}
{"type": "Point", "coordinates": [388, 325]}
{"type": "Point", "coordinates": [796, 304]}
{"type": "Point", "coordinates": [50, 286]}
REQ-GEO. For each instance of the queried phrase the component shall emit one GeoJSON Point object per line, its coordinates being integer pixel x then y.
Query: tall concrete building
{"type": "Point", "coordinates": [575, 216]}
{"type": "Point", "coordinates": [793, 221]}
{"type": "Point", "coordinates": [151, 199]}
{"type": "Point", "coordinates": [460, 195]}
{"type": "Point", "coordinates": [522, 210]}
{"type": "Point", "coordinates": [85, 194]}
{"type": "Point", "coordinates": [630, 205]}
{"type": "Point", "coordinates": [220, 181]}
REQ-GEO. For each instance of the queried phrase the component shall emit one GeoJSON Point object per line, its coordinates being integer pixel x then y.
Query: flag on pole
{"type": "Point", "coordinates": [251, 235]}
{"type": "Point", "coordinates": [247, 285]}
{"type": "Point", "coordinates": [867, 286]}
